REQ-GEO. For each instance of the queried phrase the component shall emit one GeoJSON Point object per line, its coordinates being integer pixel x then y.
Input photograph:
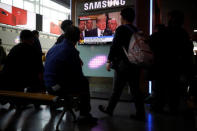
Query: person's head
{"type": "Point", "coordinates": [65, 24]}
{"type": "Point", "coordinates": [176, 18]}
{"type": "Point", "coordinates": [73, 34]}
{"type": "Point", "coordinates": [101, 22]}
{"type": "Point", "coordinates": [112, 23]}
{"type": "Point", "coordinates": [82, 24]}
{"type": "Point", "coordinates": [35, 33]}
{"type": "Point", "coordinates": [26, 36]}
{"type": "Point", "coordinates": [89, 24]}
{"type": "Point", "coordinates": [127, 15]}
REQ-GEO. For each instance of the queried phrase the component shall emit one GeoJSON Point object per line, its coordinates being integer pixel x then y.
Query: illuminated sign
{"type": "Point", "coordinates": [103, 4]}
{"type": "Point", "coordinates": [97, 61]}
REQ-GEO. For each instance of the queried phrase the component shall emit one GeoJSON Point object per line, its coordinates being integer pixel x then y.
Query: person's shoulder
{"type": "Point", "coordinates": [178, 31]}
{"type": "Point", "coordinates": [60, 39]}
{"type": "Point", "coordinates": [17, 47]}
{"type": "Point", "coordinates": [93, 30]}
{"type": "Point", "coordinates": [108, 30]}
{"type": "Point", "coordinates": [121, 27]}
{"type": "Point", "coordinates": [184, 32]}
{"type": "Point", "coordinates": [125, 28]}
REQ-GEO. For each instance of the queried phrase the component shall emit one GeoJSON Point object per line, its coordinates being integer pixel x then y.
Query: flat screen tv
{"type": "Point", "coordinates": [99, 28]}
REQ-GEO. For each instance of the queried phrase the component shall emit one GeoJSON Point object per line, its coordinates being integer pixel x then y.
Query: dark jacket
{"type": "Point", "coordinates": [60, 39]}
{"type": "Point", "coordinates": [37, 45]}
{"type": "Point", "coordinates": [173, 51]}
{"type": "Point", "coordinates": [63, 65]}
{"type": "Point", "coordinates": [22, 67]}
{"type": "Point", "coordinates": [121, 39]}
{"type": "Point", "coordinates": [94, 33]}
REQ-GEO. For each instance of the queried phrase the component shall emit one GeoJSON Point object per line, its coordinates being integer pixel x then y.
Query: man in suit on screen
{"type": "Point", "coordinates": [100, 29]}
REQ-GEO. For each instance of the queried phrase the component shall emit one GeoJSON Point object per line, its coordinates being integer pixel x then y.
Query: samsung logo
{"type": "Point", "coordinates": [103, 4]}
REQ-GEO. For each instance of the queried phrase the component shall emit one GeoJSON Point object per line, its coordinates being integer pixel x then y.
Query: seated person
{"type": "Point", "coordinates": [65, 24]}
{"type": "Point", "coordinates": [37, 44]}
{"type": "Point", "coordinates": [23, 67]}
{"type": "Point", "coordinates": [63, 73]}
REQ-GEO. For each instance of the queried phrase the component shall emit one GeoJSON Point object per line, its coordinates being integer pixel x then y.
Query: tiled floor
{"type": "Point", "coordinates": [41, 120]}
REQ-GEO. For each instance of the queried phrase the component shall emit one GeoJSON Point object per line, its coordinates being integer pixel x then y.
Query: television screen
{"type": "Point", "coordinates": [98, 29]}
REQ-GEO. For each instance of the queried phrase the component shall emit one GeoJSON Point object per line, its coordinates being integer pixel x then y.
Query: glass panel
{"type": "Point", "coordinates": [54, 14]}
{"type": "Point", "coordinates": [46, 12]}
{"type": "Point", "coordinates": [41, 2]}
{"type": "Point", "coordinates": [62, 16]}
{"type": "Point", "coordinates": [9, 2]}
{"type": "Point", "coordinates": [41, 10]}
{"type": "Point", "coordinates": [18, 3]}
{"type": "Point", "coordinates": [45, 2]}
{"type": "Point", "coordinates": [28, 6]}
{"type": "Point", "coordinates": [37, 1]}
{"type": "Point", "coordinates": [37, 9]}
{"type": "Point", "coordinates": [63, 9]}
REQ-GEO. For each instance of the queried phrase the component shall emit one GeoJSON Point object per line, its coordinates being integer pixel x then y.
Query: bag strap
{"type": "Point", "coordinates": [133, 31]}
{"type": "Point", "coordinates": [125, 51]}
{"type": "Point", "coordinates": [130, 28]}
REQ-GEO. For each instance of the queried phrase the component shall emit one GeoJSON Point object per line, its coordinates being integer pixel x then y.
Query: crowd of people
{"type": "Point", "coordinates": [62, 73]}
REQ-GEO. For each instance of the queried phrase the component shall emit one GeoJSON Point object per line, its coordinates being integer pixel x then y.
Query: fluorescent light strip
{"type": "Point", "coordinates": [150, 32]}
{"type": "Point", "coordinates": [195, 30]}
{"type": "Point", "coordinates": [70, 9]}
{"type": "Point", "coordinates": [149, 87]}
{"type": "Point", "coordinates": [151, 17]}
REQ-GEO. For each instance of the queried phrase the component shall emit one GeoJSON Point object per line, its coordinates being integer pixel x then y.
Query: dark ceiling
{"type": "Point", "coordinates": [63, 2]}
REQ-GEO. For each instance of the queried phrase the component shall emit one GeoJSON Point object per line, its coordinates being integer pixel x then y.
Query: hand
{"type": "Point", "coordinates": [108, 66]}
{"type": "Point", "coordinates": [81, 61]}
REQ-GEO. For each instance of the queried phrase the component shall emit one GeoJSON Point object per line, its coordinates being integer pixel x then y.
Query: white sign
{"type": "Point", "coordinates": [103, 4]}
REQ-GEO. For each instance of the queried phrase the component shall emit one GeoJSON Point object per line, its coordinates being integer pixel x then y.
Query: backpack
{"type": "Point", "coordinates": [139, 52]}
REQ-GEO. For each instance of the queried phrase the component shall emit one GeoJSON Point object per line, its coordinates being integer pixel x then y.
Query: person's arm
{"type": "Point", "coordinates": [116, 47]}
{"type": "Point", "coordinates": [75, 64]}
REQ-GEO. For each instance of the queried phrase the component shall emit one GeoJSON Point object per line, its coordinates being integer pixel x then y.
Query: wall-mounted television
{"type": "Point", "coordinates": [99, 28]}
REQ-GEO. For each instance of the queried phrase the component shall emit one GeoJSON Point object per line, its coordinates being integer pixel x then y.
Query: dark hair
{"type": "Point", "coordinates": [128, 14]}
{"type": "Point", "coordinates": [26, 34]}
{"type": "Point", "coordinates": [176, 18]}
{"type": "Point", "coordinates": [72, 34]}
{"type": "Point", "coordinates": [65, 24]}
{"type": "Point", "coordinates": [101, 16]}
{"type": "Point", "coordinates": [35, 32]}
